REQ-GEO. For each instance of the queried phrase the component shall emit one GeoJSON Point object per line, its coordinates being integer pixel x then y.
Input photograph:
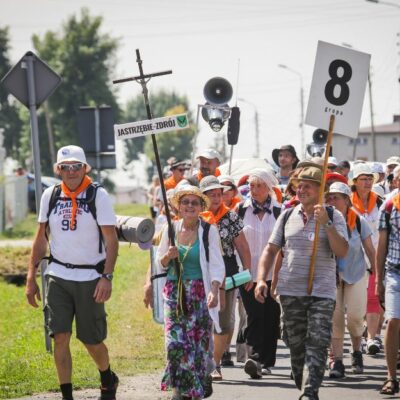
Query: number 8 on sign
{"type": "Point", "coordinates": [340, 81]}
{"type": "Point", "coordinates": [338, 88]}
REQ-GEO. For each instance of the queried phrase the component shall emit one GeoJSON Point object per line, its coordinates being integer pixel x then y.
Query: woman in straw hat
{"type": "Point", "coordinates": [367, 204]}
{"type": "Point", "coordinates": [351, 296]}
{"type": "Point", "coordinates": [190, 295]}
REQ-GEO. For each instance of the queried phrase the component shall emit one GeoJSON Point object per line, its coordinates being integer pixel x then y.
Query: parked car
{"type": "Point", "coordinates": [47, 181]}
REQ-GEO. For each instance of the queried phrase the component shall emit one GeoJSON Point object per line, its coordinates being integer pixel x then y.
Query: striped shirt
{"type": "Point", "coordinates": [393, 254]}
{"type": "Point", "coordinates": [299, 238]}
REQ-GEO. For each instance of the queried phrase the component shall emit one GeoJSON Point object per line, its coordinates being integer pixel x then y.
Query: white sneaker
{"type": "Point", "coordinates": [373, 347]}
{"type": "Point", "coordinates": [266, 371]}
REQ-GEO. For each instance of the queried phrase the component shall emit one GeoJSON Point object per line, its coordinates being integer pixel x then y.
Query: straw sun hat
{"type": "Point", "coordinates": [189, 189]}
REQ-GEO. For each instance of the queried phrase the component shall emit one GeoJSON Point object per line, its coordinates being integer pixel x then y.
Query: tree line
{"type": "Point", "coordinates": [85, 58]}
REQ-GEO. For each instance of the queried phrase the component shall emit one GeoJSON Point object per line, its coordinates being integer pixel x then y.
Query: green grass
{"type": "Point", "coordinates": [135, 342]}
{"type": "Point", "coordinates": [26, 229]}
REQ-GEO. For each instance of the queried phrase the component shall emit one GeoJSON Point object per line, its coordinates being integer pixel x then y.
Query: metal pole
{"type": "Point", "coordinates": [257, 152]}
{"type": "Point", "coordinates": [194, 142]}
{"type": "Point", "coordinates": [302, 116]}
{"type": "Point", "coordinates": [36, 162]}
{"type": "Point", "coordinates": [371, 110]}
{"type": "Point", "coordinates": [97, 139]}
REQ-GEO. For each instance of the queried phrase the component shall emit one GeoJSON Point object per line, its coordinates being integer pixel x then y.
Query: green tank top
{"type": "Point", "coordinates": [191, 262]}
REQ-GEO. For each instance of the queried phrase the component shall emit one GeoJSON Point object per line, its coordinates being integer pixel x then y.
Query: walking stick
{"type": "Point", "coordinates": [320, 201]}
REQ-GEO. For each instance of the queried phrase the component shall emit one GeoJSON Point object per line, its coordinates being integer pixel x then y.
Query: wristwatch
{"type": "Point", "coordinates": [109, 277]}
{"type": "Point", "coordinates": [329, 224]}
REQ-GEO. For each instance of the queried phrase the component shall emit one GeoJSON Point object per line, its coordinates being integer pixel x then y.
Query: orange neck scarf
{"type": "Point", "coordinates": [396, 201]}
{"type": "Point", "coordinates": [211, 218]}
{"type": "Point", "coordinates": [351, 219]}
{"type": "Point", "coordinates": [359, 205]}
{"type": "Point", "coordinates": [234, 202]}
{"type": "Point", "coordinates": [278, 194]}
{"type": "Point", "coordinates": [73, 195]}
{"type": "Point", "coordinates": [200, 175]}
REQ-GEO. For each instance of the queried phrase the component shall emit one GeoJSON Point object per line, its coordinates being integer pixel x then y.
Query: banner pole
{"type": "Point", "coordinates": [320, 201]}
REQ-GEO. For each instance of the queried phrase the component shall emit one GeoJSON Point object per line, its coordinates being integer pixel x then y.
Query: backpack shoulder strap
{"type": "Point", "coordinates": [388, 212]}
{"type": "Point", "coordinates": [90, 198]}
{"type": "Point", "coordinates": [276, 211]}
{"type": "Point", "coordinates": [242, 210]}
{"type": "Point", "coordinates": [358, 224]}
{"type": "Point", "coordinates": [286, 215]}
{"type": "Point", "coordinates": [379, 201]}
{"type": "Point", "coordinates": [55, 195]}
{"type": "Point", "coordinates": [206, 229]}
{"type": "Point", "coordinates": [329, 210]}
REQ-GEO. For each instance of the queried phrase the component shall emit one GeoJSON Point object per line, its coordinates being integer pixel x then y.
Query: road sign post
{"type": "Point", "coordinates": [335, 103]}
{"type": "Point", "coordinates": [32, 81]}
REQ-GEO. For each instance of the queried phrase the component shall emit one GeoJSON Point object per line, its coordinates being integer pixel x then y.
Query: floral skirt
{"type": "Point", "coordinates": [187, 339]}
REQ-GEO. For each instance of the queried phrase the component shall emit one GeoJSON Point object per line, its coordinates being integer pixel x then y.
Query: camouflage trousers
{"type": "Point", "coordinates": [307, 330]}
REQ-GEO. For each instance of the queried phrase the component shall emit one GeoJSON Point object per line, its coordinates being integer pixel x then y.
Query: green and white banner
{"type": "Point", "coordinates": [133, 130]}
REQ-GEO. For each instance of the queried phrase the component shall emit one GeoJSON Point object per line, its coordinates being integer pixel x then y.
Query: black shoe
{"type": "Point", "coordinates": [357, 362]}
{"type": "Point", "coordinates": [226, 360]}
{"type": "Point", "coordinates": [253, 368]}
{"type": "Point", "coordinates": [337, 372]}
{"type": "Point", "coordinates": [207, 387]}
{"type": "Point", "coordinates": [109, 393]}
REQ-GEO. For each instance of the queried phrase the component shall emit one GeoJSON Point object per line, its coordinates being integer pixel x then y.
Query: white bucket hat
{"type": "Point", "coordinates": [71, 153]}
{"type": "Point", "coordinates": [363, 169]}
{"type": "Point", "coordinates": [340, 187]}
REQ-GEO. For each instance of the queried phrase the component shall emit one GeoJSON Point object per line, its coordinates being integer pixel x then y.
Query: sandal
{"type": "Point", "coordinates": [390, 387]}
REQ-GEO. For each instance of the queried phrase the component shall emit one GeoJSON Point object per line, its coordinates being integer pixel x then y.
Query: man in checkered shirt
{"type": "Point", "coordinates": [388, 284]}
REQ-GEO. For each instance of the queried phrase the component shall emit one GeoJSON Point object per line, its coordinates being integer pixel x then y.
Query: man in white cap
{"type": "Point", "coordinates": [209, 160]}
{"type": "Point", "coordinates": [80, 270]}
{"type": "Point", "coordinates": [391, 164]}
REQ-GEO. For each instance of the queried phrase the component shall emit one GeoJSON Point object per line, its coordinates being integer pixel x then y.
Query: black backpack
{"type": "Point", "coordinates": [90, 200]}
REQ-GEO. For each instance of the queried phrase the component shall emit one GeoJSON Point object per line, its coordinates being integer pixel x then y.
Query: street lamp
{"type": "Point", "coordinates": [301, 103]}
{"type": "Point", "coordinates": [257, 131]}
{"type": "Point", "coordinates": [386, 3]}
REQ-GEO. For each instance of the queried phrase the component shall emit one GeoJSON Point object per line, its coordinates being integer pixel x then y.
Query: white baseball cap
{"type": "Point", "coordinates": [71, 153]}
{"type": "Point", "coordinates": [333, 161]}
{"type": "Point", "coordinates": [210, 154]}
{"type": "Point", "coordinates": [340, 187]}
{"type": "Point", "coordinates": [396, 172]}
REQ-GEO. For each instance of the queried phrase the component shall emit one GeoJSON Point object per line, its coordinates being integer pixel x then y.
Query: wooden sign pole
{"type": "Point", "coordinates": [320, 201]}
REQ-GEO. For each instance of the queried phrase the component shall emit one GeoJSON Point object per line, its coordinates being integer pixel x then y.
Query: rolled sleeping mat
{"type": "Point", "coordinates": [158, 280]}
{"type": "Point", "coordinates": [135, 230]}
{"type": "Point", "coordinates": [237, 280]}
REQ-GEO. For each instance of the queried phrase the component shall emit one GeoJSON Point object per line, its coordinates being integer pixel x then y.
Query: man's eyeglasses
{"type": "Point", "coordinates": [194, 203]}
{"type": "Point", "coordinates": [71, 167]}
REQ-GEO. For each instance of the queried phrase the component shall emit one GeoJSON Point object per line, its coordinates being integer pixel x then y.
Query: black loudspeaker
{"type": "Point", "coordinates": [320, 136]}
{"type": "Point", "coordinates": [218, 91]}
{"type": "Point", "coordinates": [234, 126]}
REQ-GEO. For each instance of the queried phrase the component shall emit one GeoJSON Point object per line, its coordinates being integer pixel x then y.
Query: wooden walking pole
{"type": "Point", "coordinates": [320, 201]}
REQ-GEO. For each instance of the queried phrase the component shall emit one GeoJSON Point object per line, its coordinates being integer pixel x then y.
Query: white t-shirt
{"type": "Point", "coordinates": [80, 246]}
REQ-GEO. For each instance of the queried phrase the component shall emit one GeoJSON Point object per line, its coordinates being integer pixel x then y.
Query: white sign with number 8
{"type": "Point", "coordinates": [338, 88]}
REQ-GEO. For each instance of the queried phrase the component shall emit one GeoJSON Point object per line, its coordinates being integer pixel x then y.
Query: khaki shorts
{"type": "Point", "coordinates": [68, 299]}
{"type": "Point", "coordinates": [226, 322]}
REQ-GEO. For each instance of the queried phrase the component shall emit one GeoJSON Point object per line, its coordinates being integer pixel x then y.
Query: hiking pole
{"type": "Point", "coordinates": [320, 201]}
{"type": "Point", "coordinates": [142, 79]}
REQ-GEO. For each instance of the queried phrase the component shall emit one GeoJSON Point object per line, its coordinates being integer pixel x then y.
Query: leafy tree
{"type": "Point", "coordinates": [176, 144]}
{"type": "Point", "coordinates": [84, 58]}
{"type": "Point", "coordinates": [9, 113]}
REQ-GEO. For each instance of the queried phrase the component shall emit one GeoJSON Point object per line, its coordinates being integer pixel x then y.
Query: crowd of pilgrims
{"type": "Point", "coordinates": [264, 221]}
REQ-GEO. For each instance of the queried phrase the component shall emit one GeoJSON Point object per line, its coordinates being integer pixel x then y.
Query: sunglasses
{"type": "Point", "coordinates": [181, 169]}
{"type": "Point", "coordinates": [194, 203]}
{"type": "Point", "coordinates": [71, 167]}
